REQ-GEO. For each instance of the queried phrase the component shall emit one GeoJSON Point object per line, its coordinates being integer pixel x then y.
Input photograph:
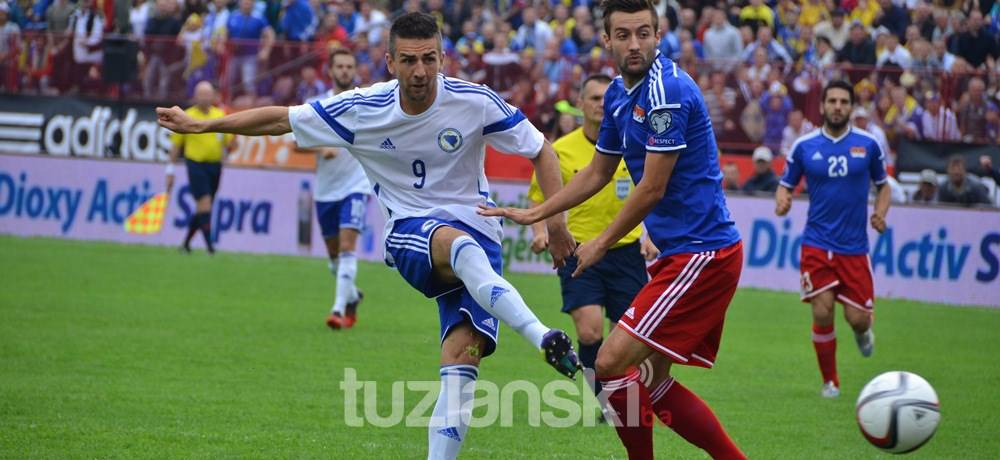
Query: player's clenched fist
{"type": "Point", "coordinates": [782, 201]}
{"type": "Point", "coordinates": [878, 222]}
{"type": "Point", "coordinates": [176, 120]}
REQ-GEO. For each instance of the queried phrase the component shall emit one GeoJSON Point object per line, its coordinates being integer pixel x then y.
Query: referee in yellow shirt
{"type": "Point", "coordinates": [203, 160]}
{"type": "Point", "coordinates": [607, 288]}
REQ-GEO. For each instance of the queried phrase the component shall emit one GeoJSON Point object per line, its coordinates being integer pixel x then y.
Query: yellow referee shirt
{"type": "Point", "coordinates": [207, 147]}
{"type": "Point", "coordinates": [591, 217]}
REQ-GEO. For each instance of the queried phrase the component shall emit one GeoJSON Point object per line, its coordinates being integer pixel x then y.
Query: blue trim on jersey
{"type": "Point", "coordinates": [505, 124]}
{"type": "Point", "coordinates": [357, 98]}
{"type": "Point", "coordinates": [468, 88]}
{"type": "Point", "coordinates": [338, 128]}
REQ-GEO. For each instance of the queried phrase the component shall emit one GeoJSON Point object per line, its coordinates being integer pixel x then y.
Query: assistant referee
{"type": "Point", "coordinates": [203, 160]}
{"type": "Point", "coordinates": [607, 288]}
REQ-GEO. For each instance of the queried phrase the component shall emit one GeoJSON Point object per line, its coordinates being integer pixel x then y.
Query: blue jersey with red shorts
{"type": "Point", "coordinates": [839, 172]}
{"type": "Point", "coordinates": [680, 312]}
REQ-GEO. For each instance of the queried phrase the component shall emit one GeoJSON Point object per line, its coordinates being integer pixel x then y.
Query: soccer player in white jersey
{"type": "Point", "coordinates": [421, 141]}
{"type": "Point", "coordinates": [341, 198]}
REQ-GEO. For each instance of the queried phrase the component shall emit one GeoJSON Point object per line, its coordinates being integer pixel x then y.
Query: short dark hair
{"type": "Point", "coordinates": [341, 52]}
{"type": "Point", "coordinates": [413, 25]}
{"type": "Point", "coordinates": [627, 6]}
{"type": "Point", "coordinates": [839, 84]}
{"type": "Point", "coordinates": [598, 77]}
{"type": "Point", "coordinates": [956, 159]}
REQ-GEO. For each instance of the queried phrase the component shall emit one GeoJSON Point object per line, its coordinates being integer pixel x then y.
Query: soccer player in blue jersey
{"type": "Point", "coordinates": [421, 140]}
{"type": "Point", "coordinates": [839, 163]}
{"type": "Point", "coordinates": [656, 118]}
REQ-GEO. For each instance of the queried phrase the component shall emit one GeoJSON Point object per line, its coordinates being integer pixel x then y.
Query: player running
{"type": "Point", "coordinates": [420, 139]}
{"type": "Point", "coordinates": [607, 288]}
{"type": "Point", "coordinates": [341, 196]}
{"type": "Point", "coordinates": [838, 162]}
{"type": "Point", "coordinates": [655, 117]}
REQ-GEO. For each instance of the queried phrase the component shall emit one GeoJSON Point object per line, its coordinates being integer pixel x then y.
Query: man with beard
{"type": "Point", "coordinates": [341, 196]}
{"type": "Point", "coordinates": [839, 163]}
{"type": "Point", "coordinates": [421, 140]}
{"type": "Point", "coordinates": [656, 119]}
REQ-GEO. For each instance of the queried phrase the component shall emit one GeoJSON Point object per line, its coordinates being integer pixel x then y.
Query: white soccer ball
{"type": "Point", "coordinates": [898, 411]}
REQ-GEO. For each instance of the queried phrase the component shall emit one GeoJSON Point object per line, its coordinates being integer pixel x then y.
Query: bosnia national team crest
{"type": "Point", "coordinates": [858, 152]}
{"type": "Point", "coordinates": [449, 139]}
{"type": "Point", "coordinates": [660, 121]}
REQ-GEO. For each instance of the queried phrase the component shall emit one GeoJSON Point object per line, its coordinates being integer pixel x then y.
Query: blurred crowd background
{"type": "Point", "coordinates": [922, 70]}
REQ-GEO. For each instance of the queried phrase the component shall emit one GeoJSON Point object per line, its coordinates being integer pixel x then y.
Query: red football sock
{"type": "Point", "coordinates": [825, 342]}
{"type": "Point", "coordinates": [635, 420]}
{"type": "Point", "coordinates": [689, 416]}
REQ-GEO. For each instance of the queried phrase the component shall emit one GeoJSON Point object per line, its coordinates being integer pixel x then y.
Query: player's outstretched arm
{"type": "Point", "coordinates": [584, 185]}
{"type": "Point", "coordinates": [782, 200]}
{"type": "Point", "coordinates": [254, 122]}
{"type": "Point", "coordinates": [649, 191]}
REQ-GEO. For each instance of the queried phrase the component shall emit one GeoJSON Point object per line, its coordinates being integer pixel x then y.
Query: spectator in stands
{"type": "Point", "coordinates": [348, 16]}
{"type": "Point", "coordinates": [823, 55]}
{"type": "Point", "coordinates": [893, 17]}
{"type": "Point", "coordinates": [757, 14]}
{"type": "Point", "coordinates": [972, 108]}
{"type": "Point", "coordinates": [372, 21]}
{"type": "Point", "coordinates": [534, 33]}
{"type": "Point", "coordinates": [937, 122]}
{"type": "Point", "coordinates": [924, 63]}
{"type": "Point", "coordinates": [835, 29]}
{"type": "Point", "coordinates": [865, 12]}
{"type": "Point", "coordinates": [993, 124]}
{"type": "Point", "coordinates": [763, 179]}
{"type": "Point", "coordinates": [252, 39]}
{"type": "Point", "coordinates": [502, 68]}
{"type": "Point", "coordinates": [927, 189]}
{"type": "Point", "coordinates": [730, 177]}
{"type": "Point", "coordinates": [923, 19]}
{"type": "Point", "coordinates": [310, 85]}
{"type": "Point", "coordinates": [797, 127]}
{"type": "Point", "coordinates": [864, 92]}
{"type": "Point", "coordinates": [722, 42]}
{"type": "Point", "coordinates": [862, 118]}
{"type": "Point", "coordinates": [87, 24]}
{"type": "Point", "coordinates": [986, 169]}
{"type": "Point", "coordinates": [903, 107]}
{"type": "Point", "coordinates": [299, 21]}
{"type": "Point", "coordinates": [978, 45]}
{"type": "Point", "coordinates": [57, 16]}
{"type": "Point", "coordinates": [159, 50]}
{"type": "Point", "coordinates": [942, 25]}
{"type": "Point", "coordinates": [894, 54]}
{"type": "Point", "coordinates": [775, 105]}
{"type": "Point", "coordinates": [720, 100]}
{"type": "Point", "coordinates": [942, 54]}
{"type": "Point", "coordinates": [10, 47]}
{"type": "Point", "coordinates": [765, 41]}
{"type": "Point", "coordinates": [859, 50]}
{"type": "Point", "coordinates": [670, 43]}
{"type": "Point", "coordinates": [961, 188]}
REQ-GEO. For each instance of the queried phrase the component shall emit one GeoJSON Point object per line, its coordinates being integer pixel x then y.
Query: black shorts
{"type": "Point", "coordinates": [612, 283]}
{"type": "Point", "coordinates": [203, 178]}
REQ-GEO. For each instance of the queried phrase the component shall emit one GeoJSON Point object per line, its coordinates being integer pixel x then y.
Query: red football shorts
{"type": "Point", "coordinates": [680, 312]}
{"type": "Point", "coordinates": [850, 277]}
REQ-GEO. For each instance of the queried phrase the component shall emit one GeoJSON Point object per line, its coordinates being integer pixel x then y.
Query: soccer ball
{"type": "Point", "coordinates": [898, 411]}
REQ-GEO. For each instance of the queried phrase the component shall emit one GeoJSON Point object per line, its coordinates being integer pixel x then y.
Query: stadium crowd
{"type": "Point", "coordinates": [922, 70]}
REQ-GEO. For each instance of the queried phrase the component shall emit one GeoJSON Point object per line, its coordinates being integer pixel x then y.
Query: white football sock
{"type": "Point", "coordinates": [450, 420]}
{"type": "Point", "coordinates": [492, 292]}
{"type": "Point", "coordinates": [346, 292]}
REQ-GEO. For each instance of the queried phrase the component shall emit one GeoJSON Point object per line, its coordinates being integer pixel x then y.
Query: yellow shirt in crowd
{"type": "Point", "coordinates": [207, 147]}
{"type": "Point", "coordinates": [590, 218]}
{"type": "Point", "coordinates": [758, 13]}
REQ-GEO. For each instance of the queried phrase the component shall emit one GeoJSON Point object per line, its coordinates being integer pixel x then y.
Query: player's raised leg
{"type": "Point", "coordinates": [824, 340]}
{"type": "Point", "coordinates": [457, 256]}
{"type": "Point", "coordinates": [461, 351]}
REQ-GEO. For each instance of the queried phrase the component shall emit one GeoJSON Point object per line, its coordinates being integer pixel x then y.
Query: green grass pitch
{"type": "Point", "coordinates": [113, 351]}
